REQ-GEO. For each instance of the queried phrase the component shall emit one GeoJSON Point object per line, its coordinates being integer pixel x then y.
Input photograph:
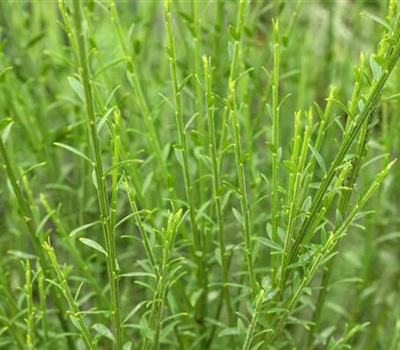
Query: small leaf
{"type": "Point", "coordinates": [103, 330]}
{"type": "Point", "coordinates": [145, 330]}
{"type": "Point", "coordinates": [375, 66]}
{"type": "Point", "coordinates": [232, 31]}
{"type": "Point", "coordinates": [206, 160]}
{"type": "Point", "coordinates": [244, 158]}
{"type": "Point", "coordinates": [230, 50]}
{"type": "Point", "coordinates": [5, 128]}
{"type": "Point", "coordinates": [238, 216]}
{"type": "Point", "coordinates": [75, 322]}
{"type": "Point", "coordinates": [272, 147]}
{"type": "Point", "coordinates": [103, 119]}
{"type": "Point", "coordinates": [306, 204]}
{"type": "Point", "coordinates": [72, 150]}
{"type": "Point", "coordinates": [217, 255]}
{"type": "Point", "coordinates": [94, 179]}
{"type": "Point", "coordinates": [77, 87]}
{"type": "Point", "coordinates": [147, 181]}
{"type": "Point", "coordinates": [340, 105]}
{"type": "Point", "coordinates": [83, 227]}
{"type": "Point", "coordinates": [318, 157]}
{"type": "Point", "coordinates": [195, 297]}
{"type": "Point", "coordinates": [323, 236]}
{"type": "Point", "coordinates": [138, 274]}
{"type": "Point", "coordinates": [35, 40]}
{"type": "Point", "coordinates": [121, 164]}
{"type": "Point", "coordinates": [184, 82]}
{"type": "Point", "coordinates": [339, 218]}
{"type": "Point", "coordinates": [178, 155]}
{"type": "Point", "coordinates": [378, 20]}
{"type": "Point", "coordinates": [229, 331]}
{"type": "Point", "coordinates": [3, 71]}
{"type": "Point", "coordinates": [241, 329]}
{"type": "Point", "coordinates": [127, 346]}
{"type": "Point", "coordinates": [92, 244]}
{"type": "Point", "coordinates": [4, 122]}
{"type": "Point", "coordinates": [268, 243]}
{"type": "Point", "coordinates": [21, 255]}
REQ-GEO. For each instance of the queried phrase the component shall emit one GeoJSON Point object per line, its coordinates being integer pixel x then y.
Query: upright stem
{"type": "Point", "coordinates": [105, 215]}
{"type": "Point", "coordinates": [275, 151]}
{"type": "Point", "coordinates": [182, 148]}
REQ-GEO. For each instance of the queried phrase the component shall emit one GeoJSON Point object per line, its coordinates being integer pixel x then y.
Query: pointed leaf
{"type": "Point", "coordinates": [375, 66]}
{"type": "Point", "coordinates": [92, 244]}
{"type": "Point", "coordinates": [103, 330]}
{"type": "Point", "coordinates": [77, 87]}
{"type": "Point", "coordinates": [4, 122]}
{"type": "Point", "coordinates": [5, 128]}
{"type": "Point", "coordinates": [379, 20]}
{"type": "Point", "coordinates": [178, 155]}
{"type": "Point", "coordinates": [318, 157]}
{"type": "Point", "coordinates": [72, 150]}
{"type": "Point", "coordinates": [268, 243]}
{"type": "Point", "coordinates": [83, 227]}
{"type": "Point", "coordinates": [238, 216]}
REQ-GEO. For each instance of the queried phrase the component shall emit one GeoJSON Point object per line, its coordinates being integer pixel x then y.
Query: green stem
{"type": "Point", "coordinates": [305, 233]}
{"type": "Point", "coordinates": [76, 313]}
{"type": "Point", "coordinates": [217, 183]}
{"type": "Point", "coordinates": [105, 214]}
{"type": "Point", "coordinates": [182, 148]}
{"type": "Point", "coordinates": [275, 143]}
{"type": "Point", "coordinates": [25, 211]}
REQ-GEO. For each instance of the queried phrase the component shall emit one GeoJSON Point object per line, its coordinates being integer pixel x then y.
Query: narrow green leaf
{"type": "Point", "coordinates": [94, 179]}
{"type": "Point", "coordinates": [340, 104]}
{"type": "Point", "coordinates": [5, 128]}
{"type": "Point", "coordinates": [83, 227]}
{"type": "Point", "coordinates": [75, 322]}
{"type": "Point", "coordinates": [206, 160]}
{"type": "Point", "coordinates": [229, 331]}
{"type": "Point", "coordinates": [184, 82]}
{"type": "Point", "coordinates": [92, 244]}
{"type": "Point", "coordinates": [121, 164]}
{"type": "Point", "coordinates": [178, 155]}
{"type": "Point", "coordinates": [4, 122]}
{"type": "Point", "coordinates": [318, 157]}
{"type": "Point", "coordinates": [375, 67]}
{"type": "Point", "coordinates": [379, 20]}
{"type": "Point", "coordinates": [232, 31]}
{"type": "Point", "coordinates": [138, 274]}
{"type": "Point", "coordinates": [21, 255]}
{"type": "Point", "coordinates": [72, 150]}
{"type": "Point", "coordinates": [77, 87]}
{"type": "Point", "coordinates": [127, 346]}
{"type": "Point", "coordinates": [238, 216]}
{"type": "Point", "coordinates": [103, 330]}
{"type": "Point", "coordinates": [268, 243]}
{"type": "Point", "coordinates": [5, 70]}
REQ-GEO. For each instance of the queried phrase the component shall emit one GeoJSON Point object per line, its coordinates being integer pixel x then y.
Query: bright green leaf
{"type": "Point", "coordinates": [92, 244]}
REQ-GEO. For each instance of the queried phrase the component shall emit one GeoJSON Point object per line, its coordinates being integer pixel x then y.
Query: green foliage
{"type": "Point", "coordinates": [199, 175]}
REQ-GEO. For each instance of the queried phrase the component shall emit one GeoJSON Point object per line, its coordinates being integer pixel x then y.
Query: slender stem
{"type": "Point", "coordinates": [25, 211]}
{"type": "Point", "coordinates": [30, 335]}
{"type": "Point", "coordinates": [243, 195]}
{"type": "Point", "coordinates": [108, 232]}
{"type": "Point", "coordinates": [153, 140]}
{"type": "Point", "coordinates": [76, 314]}
{"type": "Point", "coordinates": [275, 143]}
{"type": "Point", "coordinates": [253, 323]}
{"type": "Point", "coordinates": [217, 183]}
{"type": "Point", "coordinates": [305, 233]}
{"type": "Point", "coordinates": [182, 148]}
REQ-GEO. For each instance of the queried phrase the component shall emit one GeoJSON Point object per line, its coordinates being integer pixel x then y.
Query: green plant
{"type": "Point", "coordinates": [190, 175]}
